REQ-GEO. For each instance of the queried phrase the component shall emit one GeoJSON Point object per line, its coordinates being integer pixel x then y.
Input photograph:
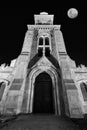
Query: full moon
{"type": "Point", "coordinates": [72, 13]}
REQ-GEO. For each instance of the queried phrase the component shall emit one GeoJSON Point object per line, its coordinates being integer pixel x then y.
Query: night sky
{"type": "Point", "coordinates": [13, 26]}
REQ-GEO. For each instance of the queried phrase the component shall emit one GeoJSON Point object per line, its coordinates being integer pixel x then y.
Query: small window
{"type": "Point", "coordinates": [40, 41]}
{"type": "Point", "coordinates": [2, 88]}
{"type": "Point", "coordinates": [46, 41]}
{"type": "Point", "coordinates": [83, 87]}
{"type": "Point", "coordinates": [47, 51]}
{"type": "Point", "coordinates": [40, 51]}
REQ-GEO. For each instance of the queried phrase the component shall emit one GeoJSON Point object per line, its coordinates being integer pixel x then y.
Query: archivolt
{"type": "Point", "coordinates": [33, 74]}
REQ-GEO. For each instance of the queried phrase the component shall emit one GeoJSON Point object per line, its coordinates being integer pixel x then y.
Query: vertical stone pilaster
{"type": "Point", "coordinates": [34, 44]}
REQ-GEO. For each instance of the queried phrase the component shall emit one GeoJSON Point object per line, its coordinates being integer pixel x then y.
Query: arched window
{"type": "Point", "coordinates": [40, 41]}
{"type": "Point", "coordinates": [2, 88]}
{"type": "Point", "coordinates": [46, 41]}
{"type": "Point", "coordinates": [43, 46]}
{"type": "Point", "coordinates": [83, 87]}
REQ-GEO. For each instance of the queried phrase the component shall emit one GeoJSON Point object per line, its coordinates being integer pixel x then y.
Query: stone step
{"type": "Point", "coordinates": [40, 122]}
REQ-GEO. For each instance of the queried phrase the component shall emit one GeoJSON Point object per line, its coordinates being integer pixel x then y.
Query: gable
{"type": "Point", "coordinates": [44, 62]}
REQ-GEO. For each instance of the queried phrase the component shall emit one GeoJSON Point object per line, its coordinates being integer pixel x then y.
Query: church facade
{"type": "Point", "coordinates": [43, 79]}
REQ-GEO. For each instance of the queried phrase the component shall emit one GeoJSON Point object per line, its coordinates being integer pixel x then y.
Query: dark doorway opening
{"type": "Point", "coordinates": [43, 101]}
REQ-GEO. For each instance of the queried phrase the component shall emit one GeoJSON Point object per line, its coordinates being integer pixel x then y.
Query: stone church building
{"type": "Point", "coordinates": [43, 78]}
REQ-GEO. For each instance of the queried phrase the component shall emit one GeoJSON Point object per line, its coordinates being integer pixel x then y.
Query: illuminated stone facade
{"type": "Point", "coordinates": [43, 54]}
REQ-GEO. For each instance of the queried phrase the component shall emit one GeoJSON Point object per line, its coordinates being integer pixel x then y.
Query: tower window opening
{"type": "Point", "coordinates": [40, 51]}
{"type": "Point", "coordinates": [2, 88]}
{"type": "Point", "coordinates": [46, 41]}
{"type": "Point", "coordinates": [41, 41]}
{"type": "Point", "coordinates": [47, 51]}
{"type": "Point", "coordinates": [43, 46]}
{"type": "Point", "coordinates": [84, 90]}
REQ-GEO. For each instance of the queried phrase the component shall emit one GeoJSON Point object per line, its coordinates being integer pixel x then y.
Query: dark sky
{"type": "Point", "coordinates": [13, 26]}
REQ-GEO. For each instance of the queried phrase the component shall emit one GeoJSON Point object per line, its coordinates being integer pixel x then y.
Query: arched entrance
{"type": "Point", "coordinates": [43, 100]}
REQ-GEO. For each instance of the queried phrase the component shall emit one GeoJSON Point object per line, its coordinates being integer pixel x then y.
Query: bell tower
{"type": "Point", "coordinates": [43, 62]}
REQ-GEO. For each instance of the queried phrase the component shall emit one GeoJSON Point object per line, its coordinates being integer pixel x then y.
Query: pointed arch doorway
{"type": "Point", "coordinates": [43, 100]}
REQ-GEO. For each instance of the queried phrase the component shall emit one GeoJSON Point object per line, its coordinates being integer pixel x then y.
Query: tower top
{"type": "Point", "coordinates": [43, 18]}
{"type": "Point", "coordinates": [43, 13]}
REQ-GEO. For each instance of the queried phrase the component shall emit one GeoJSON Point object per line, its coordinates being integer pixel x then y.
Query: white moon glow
{"type": "Point", "coordinates": [72, 13]}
